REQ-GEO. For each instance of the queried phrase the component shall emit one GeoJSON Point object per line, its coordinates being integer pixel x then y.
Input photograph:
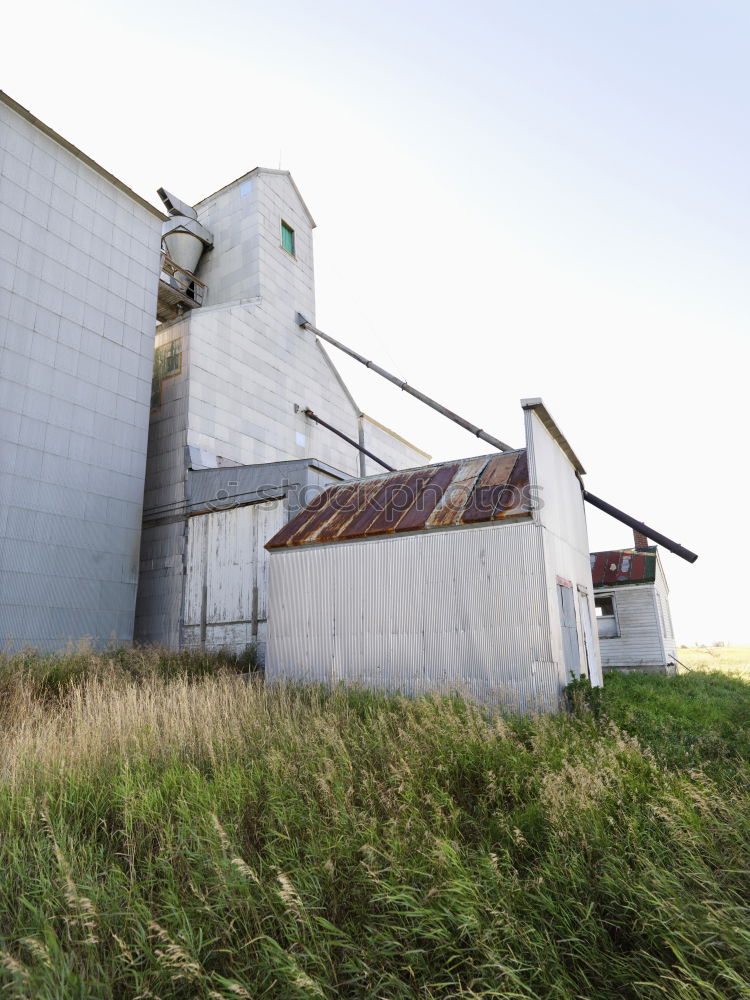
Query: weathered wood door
{"type": "Point", "coordinates": [588, 635]}
{"type": "Point", "coordinates": [571, 653]}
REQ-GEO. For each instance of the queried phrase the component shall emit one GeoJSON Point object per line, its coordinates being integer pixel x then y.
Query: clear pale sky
{"type": "Point", "coordinates": [513, 199]}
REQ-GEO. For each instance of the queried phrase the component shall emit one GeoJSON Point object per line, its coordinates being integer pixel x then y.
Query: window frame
{"type": "Point", "coordinates": [611, 596]}
{"type": "Point", "coordinates": [285, 227]}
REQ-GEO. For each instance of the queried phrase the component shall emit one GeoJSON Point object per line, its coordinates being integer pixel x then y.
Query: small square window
{"type": "Point", "coordinates": [606, 617]}
{"type": "Point", "coordinates": [287, 239]}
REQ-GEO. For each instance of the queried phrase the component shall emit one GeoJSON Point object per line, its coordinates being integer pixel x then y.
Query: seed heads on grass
{"type": "Point", "coordinates": [38, 950]}
{"type": "Point", "coordinates": [288, 894]}
{"type": "Point", "coordinates": [14, 966]}
{"type": "Point", "coordinates": [81, 909]}
{"type": "Point", "coordinates": [173, 956]}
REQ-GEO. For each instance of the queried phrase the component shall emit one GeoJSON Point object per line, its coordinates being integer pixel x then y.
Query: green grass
{"type": "Point", "coordinates": [700, 719]}
{"type": "Point", "coordinates": [171, 831]}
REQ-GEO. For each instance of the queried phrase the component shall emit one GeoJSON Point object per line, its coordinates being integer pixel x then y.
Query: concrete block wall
{"type": "Point", "coordinates": [250, 361]}
{"type": "Point", "coordinates": [287, 283]}
{"type": "Point", "coordinates": [231, 269]}
{"type": "Point", "coordinates": [247, 372]}
{"type": "Point", "coordinates": [247, 260]}
{"type": "Point", "coordinates": [167, 436]}
{"type": "Point", "coordinates": [79, 265]}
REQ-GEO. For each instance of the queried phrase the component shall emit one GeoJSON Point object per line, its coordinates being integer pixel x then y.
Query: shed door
{"type": "Point", "coordinates": [569, 630]}
{"type": "Point", "coordinates": [588, 636]}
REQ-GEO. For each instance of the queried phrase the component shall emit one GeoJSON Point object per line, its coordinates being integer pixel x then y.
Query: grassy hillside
{"type": "Point", "coordinates": [170, 831]}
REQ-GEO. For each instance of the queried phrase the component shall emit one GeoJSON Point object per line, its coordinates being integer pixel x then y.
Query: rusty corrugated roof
{"type": "Point", "coordinates": [467, 491]}
{"type": "Point", "coordinates": [623, 566]}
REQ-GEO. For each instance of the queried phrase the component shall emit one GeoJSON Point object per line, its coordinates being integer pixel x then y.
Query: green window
{"type": "Point", "coordinates": [287, 238]}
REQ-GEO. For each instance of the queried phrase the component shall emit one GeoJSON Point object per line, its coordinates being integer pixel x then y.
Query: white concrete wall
{"type": "Point", "coordinates": [248, 368]}
{"type": "Point", "coordinates": [251, 363]}
{"type": "Point", "coordinates": [79, 265]}
{"type": "Point", "coordinates": [563, 519]}
{"type": "Point", "coordinates": [452, 609]}
{"type": "Point", "coordinates": [247, 260]}
{"type": "Point", "coordinates": [231, 270]}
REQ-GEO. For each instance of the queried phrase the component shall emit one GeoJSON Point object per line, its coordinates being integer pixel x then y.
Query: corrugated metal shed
{"type": "Point", "coordinates": [623, 566]}
{"type": "Point", "coordinates": [469, 491]}
{"type": "Point", "coordinates": [444, 577]}
{"type": "Point", "coordinates": [434, 610]}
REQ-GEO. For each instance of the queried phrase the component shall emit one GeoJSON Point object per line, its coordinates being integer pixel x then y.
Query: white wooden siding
{"type": "Point", "coordinates": [640, 642]}
{"type": "Point", "coordinates": [662, 595]}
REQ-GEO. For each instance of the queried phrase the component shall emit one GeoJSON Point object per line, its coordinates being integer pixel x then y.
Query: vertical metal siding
{"type": "Point", "coordinates": [197, 529]}
{"type": "Point", "coordinates": [462, 609]}
{"type": "Point", "coordinates": [226, 553]}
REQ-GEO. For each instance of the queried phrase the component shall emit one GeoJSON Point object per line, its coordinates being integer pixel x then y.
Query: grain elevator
{"type": "Point", "coordinates": [153, 394]}
{"type": "Point", "coordinates": [232, 454]}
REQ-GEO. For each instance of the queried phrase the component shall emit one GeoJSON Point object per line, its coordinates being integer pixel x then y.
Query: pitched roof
{"type": "Point", "coordinates": [608, 569]}
{"type": "Point", "coordinates": [467, 491]}
{"type": "Point", "coordinates": [253, 173]}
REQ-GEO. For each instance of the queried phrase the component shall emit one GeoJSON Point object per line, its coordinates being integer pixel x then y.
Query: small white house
{"type": "Point", "coordinates": [633, 619]}
{"type": "Point", "coordinates": [471, 575]}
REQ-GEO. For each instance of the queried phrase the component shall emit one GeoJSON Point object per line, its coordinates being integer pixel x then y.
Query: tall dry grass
{"type": "Point", "coordinates": [176, 832]}
{"type": "Point", "coordinates": [734, 660]}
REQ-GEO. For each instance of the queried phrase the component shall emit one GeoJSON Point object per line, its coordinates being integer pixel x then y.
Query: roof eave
{"type": "Point", "coordinates": [537, 404]}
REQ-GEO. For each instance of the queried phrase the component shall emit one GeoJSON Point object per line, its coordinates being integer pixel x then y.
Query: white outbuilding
{"type": "Point", "coordinates": [471, 575]}
{"type": "Point", "coordinates": [633, 619]}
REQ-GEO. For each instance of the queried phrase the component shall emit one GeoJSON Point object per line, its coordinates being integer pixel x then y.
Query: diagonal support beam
{"type": "Point", "coordinates": [405, 387]}
{"type": "Point", "coordinates": [616, 513]}
{"type": "Point", "coordinates": [345, 437]}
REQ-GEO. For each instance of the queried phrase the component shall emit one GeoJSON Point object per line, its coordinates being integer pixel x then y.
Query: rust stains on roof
{"type": "Point", "coordinates": [454, 500]}
{"type": "Point", "coordinates": [469, 491]}
{"type": "Point", "coordinates": [489, 487]}
{"type": "Point", "coordinates": [432, 493]}
{"type": "Point", "coordinates": [608, 569]}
